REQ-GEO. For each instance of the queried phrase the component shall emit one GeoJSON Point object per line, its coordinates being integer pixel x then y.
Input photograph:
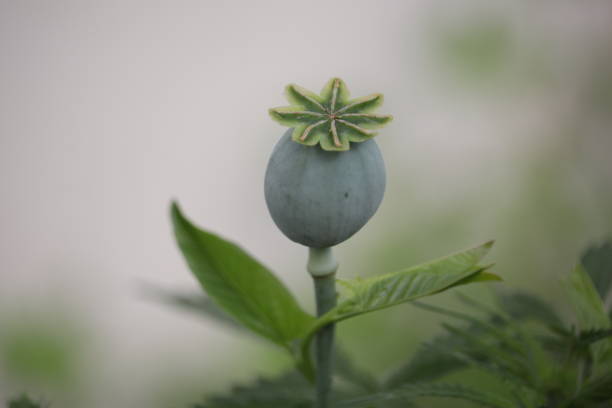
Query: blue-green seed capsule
{"type": "Point", "coordinates": [320, 198]}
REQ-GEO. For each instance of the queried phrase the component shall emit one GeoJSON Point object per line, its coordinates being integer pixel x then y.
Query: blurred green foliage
{"type": "Point", "coordinates": [33, 353]}
{"type": "Point", "coordinates": [42, 352]}
{"type": "Point", "coordinates": [534, 356]}
{"type": "Point", "coordinates": [23, 401]}
{"type": "Point", "coordinates": [540, 227]}
{"type": "Point", "coordinates": [478, 50]}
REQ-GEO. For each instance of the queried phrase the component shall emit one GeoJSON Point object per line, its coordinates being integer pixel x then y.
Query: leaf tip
{"type": "Point", "coordinates": [492, 277]}
{"type": "Point", "coordinates": [174, 208]}
{"type": "Point", "coordinates": [176, 215]}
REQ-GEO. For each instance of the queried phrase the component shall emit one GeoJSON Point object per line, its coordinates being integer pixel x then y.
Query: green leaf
{"type": "Point", "coordinates": [383, 291]}
{"type": "Point", "coordinates": [597, 261]}
{"type": "Point", "coordinates": [501, 349]}
{"type": "Point", "coordinates": [589, 308]}
{"type": "Point", "coordinates": [588, 305]}
{"type": "Point", "coordinates": [525, 306]}
{"type": "Point", "coordinates": [411, 392]}
{"type": "Point", "coordinates": [289, 390]}
{"type": "Point", "coordinates": [594, 392]}
{"type": "Point", "coordinates": [23, 402]}
{"type": "Point", "coordinates": [480, 277]}
{"type": "Point", "coordinates": [239, 284]}
{"type": "Point", "coordinates": [348, 371]}
{"type": "Point", "coordinates": [496, 358]}
{"type": "Point", "coordinates": [592, 336]}
{"type": "Point", "coordinates": [431, 361]}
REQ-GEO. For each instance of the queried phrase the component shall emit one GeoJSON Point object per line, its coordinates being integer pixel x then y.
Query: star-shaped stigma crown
{"type": "Point", "coordinates": [331, 119]}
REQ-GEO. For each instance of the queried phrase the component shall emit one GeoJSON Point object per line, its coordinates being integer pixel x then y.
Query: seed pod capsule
{"type": "Point", "coordinates": [320, 198]}
{"type": "Point", "coordinates": [324, 188]}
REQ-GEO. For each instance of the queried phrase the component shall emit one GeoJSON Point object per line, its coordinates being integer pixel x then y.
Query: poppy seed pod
{"type": "Point", "coordinates": [320, 198]}
{"type": "Point", "coordinates": [326, 176]}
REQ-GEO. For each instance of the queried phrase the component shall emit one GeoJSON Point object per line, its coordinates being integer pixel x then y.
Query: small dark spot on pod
{"type": "Point", "coordinates": [346, 195]}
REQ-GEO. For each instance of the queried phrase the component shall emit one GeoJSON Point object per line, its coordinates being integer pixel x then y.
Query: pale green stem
{"type": "Point", "coordinates": [323, 266]}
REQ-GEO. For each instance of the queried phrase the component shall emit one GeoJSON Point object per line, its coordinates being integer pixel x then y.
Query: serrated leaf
{"type": "Point", "coordinates": [496, 358]}
{"type": "Point", "coordinates": [597, 261]}
{"type": "Point", "coordinates": [480, 277]}
{"type": "Point", "coordinates": [525, 306]}
{"type": "Point", "coordinates": [505, 351]}
{"type": "Point", "coordinates": [431, 361]}
{"type": "Point", "coordinates": [594, 392]}
{"type": "Point", "coordinates": [588, 305]}
{"type": "Point", "coordinates": [239, 284]}
{"type": "Point", "coordinates": [346, 369]}
{"type": "Point", "coordinates": [592, 336]}
{"type": "Point", "coordinates": [384, 291]}
{"type": "Point", "coordinates": [289, 390]}
{"type": "Point", "coordinates": [411, 392]}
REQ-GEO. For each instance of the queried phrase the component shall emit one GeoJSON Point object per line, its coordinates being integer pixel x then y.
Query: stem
{"type": "Point", "coordinates": [323, 266]}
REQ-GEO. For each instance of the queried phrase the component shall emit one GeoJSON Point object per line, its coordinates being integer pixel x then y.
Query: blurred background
{"type": "Point", "coordinates": [108, 110]}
